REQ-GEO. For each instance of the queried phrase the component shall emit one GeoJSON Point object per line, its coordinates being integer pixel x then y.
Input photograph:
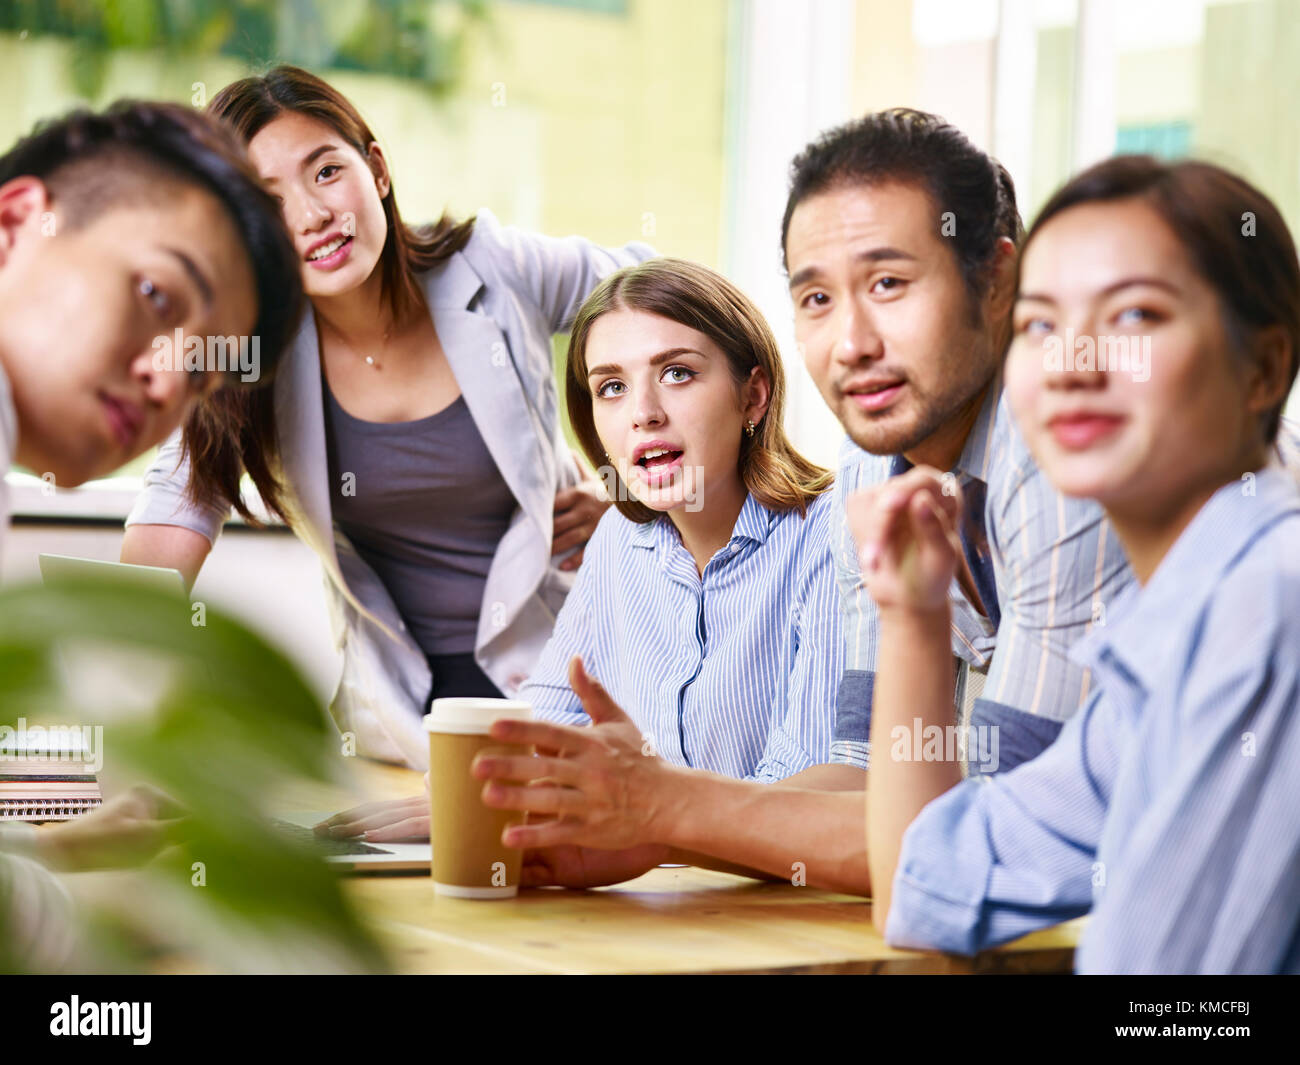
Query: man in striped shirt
{"type": "Point", "coordinates": [900, 240]}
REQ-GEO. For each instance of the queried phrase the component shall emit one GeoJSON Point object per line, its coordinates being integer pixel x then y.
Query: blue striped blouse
{"type": "Point", "coordinates": [734, 671]}
{"type": "Point", "coordinates": [1168, 805]}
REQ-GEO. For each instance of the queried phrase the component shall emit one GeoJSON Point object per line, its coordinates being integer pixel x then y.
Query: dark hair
{"type": "Point", "coordinates": [695, 296]}
{"type": "Point", "coordinates": [94, 162]}
{"type": "Point", "coordinates": [914, 146]}
{"type": "Point", "coordinates": [231, 434]}
{"type": "Point", "coordinates": [1255, 274]}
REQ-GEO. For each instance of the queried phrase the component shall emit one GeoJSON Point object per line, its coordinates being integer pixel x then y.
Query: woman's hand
{"type": "Point", "coordinates": [129, 829]}
{"type": "Point", "coordinates": [387, 821]}
{"type": "Point", "coordinates": [906, 532]}
{"type": "Point", "coordinates": [602, 786]}
{"type": "Point", "coordinates": [578, 511]}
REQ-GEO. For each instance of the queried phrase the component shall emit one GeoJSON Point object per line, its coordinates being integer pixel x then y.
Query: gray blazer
{"type": "Point", "coordinates": [495, 305]}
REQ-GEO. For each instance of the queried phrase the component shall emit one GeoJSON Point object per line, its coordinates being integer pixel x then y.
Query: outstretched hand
{"type": "Point", "coordinates": [603, 786]}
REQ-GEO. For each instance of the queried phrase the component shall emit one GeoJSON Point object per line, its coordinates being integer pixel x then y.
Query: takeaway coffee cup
{"type": "Point", "coordinates": [469, 859]}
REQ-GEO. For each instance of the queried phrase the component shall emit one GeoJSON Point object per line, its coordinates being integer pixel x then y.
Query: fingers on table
{"type": "Point", "coordinates": [412, 830]}
{"type": "Point", "coordinates": [368, 815]}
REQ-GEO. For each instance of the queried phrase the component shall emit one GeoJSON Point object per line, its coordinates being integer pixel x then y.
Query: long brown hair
{"type": "Point", "coordinates": [1235, 237]}
{"type": "Point", "coordinates": [233, 431]}
{"type": "Point", "coordinates": [697, 297]}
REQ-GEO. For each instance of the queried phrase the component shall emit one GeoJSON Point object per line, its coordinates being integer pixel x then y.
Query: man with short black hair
{"type": "Point", "coordinates": [116, 228]}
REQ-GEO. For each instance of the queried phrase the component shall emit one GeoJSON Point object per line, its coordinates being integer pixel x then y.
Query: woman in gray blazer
{"type": "Point", "coordinates": [411, 436]}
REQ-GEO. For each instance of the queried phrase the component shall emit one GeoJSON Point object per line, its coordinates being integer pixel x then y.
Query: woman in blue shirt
{"type": "Point", "coordinates": [706, 605]}
{"type": "Point", "coordinates": [1156, 336]}
{"type": "Point", "coordinates": [706, 601]}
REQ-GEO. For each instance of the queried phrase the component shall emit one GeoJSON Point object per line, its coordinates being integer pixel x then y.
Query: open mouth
{"type": "Point", "coordinates": [659, 466]}
{"type": "Point", "coordinates": [328, 253]}
{"type": "Point", "coordinates": [658, 458]}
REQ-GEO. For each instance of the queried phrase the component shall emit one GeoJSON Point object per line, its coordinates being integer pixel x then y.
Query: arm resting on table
{"type": "Point", "coordinates": [771, 830]}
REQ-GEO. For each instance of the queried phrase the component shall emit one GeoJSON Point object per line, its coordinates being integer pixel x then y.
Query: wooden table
{"type": "Point", "coordinates": [671, 920]}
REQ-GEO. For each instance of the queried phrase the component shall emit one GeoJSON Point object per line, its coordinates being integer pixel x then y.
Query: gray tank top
{"type": "Point", "coordinates": [425, 506]}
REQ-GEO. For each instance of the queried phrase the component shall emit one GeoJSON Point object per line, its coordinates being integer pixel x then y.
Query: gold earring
{"type": "Point", "coordinates": [749, 428]}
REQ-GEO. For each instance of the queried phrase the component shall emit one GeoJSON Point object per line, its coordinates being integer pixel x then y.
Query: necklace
{"type": "Point", "coordinates": [369, 360]}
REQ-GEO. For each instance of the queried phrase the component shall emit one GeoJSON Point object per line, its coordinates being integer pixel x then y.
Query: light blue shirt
{"type": "Point", "coordinates": [1169, 805]}
{"type": "Point", "coordinates": [734, 670]}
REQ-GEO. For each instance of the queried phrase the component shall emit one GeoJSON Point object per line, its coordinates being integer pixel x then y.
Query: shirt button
{"type": "Point", "coordinates": [517, 681]}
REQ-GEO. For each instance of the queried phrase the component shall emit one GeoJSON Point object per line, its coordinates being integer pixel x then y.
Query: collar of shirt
{"type": "Point", "coordinates": [1135, 645]}
{"type": "Point", "coordinates": [753, 523]}
{"type": "Point", "coordinates": [973, 462]}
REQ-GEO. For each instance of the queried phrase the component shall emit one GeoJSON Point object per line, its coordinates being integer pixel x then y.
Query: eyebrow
{"type": "Point", "coordinates": [655, 360]}
{"type": "Point", "coordinates": [307, 160]}
{"type": "Point", "coordinates": [1111, 289]}
{"type": "Point", "coordinates": [196, 275]}
{"type": "Point", "coordinates": [871, 255]}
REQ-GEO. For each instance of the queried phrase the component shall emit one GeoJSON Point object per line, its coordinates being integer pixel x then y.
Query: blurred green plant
{"type": "Point", "coordinates": [234, 724]}
{"type": "Point", "coordinates": [424, 40]}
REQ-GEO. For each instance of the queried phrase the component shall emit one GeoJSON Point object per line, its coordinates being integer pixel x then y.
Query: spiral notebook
{"type": "Point", "coordinates": [47, 773]}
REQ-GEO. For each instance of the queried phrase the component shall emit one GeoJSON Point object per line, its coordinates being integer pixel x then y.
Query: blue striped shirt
{"type": "Point", "coordinates": [732, 671]}
{"type": "Point", "coordinates": [1169, 804]}
{"type": "Point", "coordinates": [1058, 567]}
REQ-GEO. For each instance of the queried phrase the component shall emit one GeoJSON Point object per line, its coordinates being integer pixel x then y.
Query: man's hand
{"type": "Point", "coordinates": [583, 867]}
{"type": "Point", "coordinates": [603, 785]}
{"type": "Point", "coordinates": [129, 829]}
{"type": "Point", "coordinates": [906, 532]}
{"type": "Point", "coordinates": [578, 511]}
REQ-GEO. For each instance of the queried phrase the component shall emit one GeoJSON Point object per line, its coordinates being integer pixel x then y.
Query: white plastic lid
{"type": "Point", "coordinates": [471, 716]}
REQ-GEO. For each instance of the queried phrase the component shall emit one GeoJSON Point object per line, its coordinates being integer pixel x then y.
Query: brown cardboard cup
{"type": "Point", "coordinates": [469, 859]}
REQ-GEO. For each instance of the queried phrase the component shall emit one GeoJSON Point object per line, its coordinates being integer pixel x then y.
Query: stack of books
{"type": "Point", "coordinates": [47, 774]}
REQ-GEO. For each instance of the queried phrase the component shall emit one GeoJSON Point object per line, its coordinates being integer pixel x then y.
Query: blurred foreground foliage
{"type": "Point", "coordinates": [231, 722]}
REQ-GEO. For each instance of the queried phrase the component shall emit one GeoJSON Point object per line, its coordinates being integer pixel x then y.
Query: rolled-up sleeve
{"type": "Point", "coordinates": [998, 857]}
{"type": "Point", "coordinates": [850, 743]}
{"type": "Point", "coordinates": [163, 500]}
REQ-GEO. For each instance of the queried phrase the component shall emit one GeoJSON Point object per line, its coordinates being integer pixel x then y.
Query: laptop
{"type": "Point", "coordinates": [351, 856]}
{"type": "Point", "coordinates": [354, 855]}
{"type": "Point", "coordinates": [55, 567]}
